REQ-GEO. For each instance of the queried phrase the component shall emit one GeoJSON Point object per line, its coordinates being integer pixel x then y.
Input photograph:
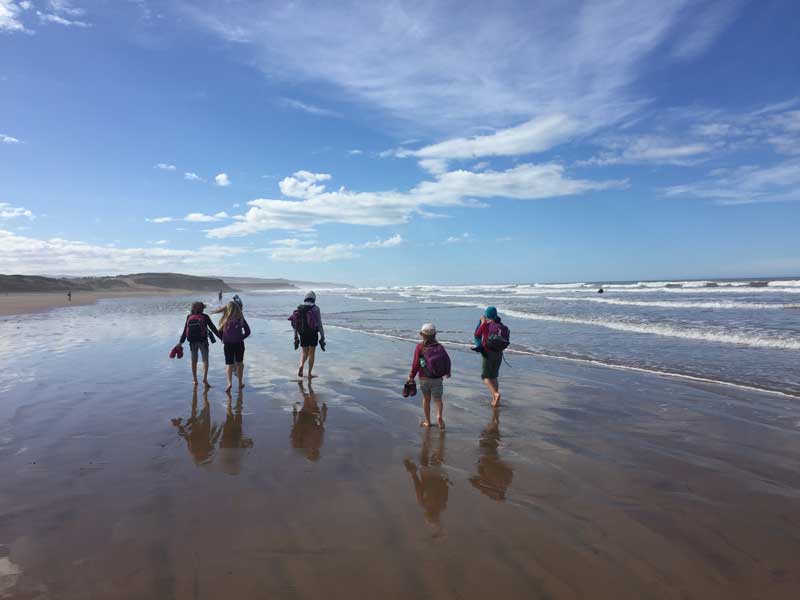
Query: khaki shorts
{"type": "Point", "coordinates": [431, 387]}
{"type": "Point", "coordinates": [202, 348]}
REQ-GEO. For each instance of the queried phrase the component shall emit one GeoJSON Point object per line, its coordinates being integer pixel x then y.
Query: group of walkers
{"type": "Point", "coordinates": [431, 362]}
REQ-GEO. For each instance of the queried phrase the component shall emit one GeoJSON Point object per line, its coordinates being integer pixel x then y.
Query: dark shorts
{"type": "Point", "coordinates": [309, 340]}
{"type": "Point", "coordinates": [490, 367]}
{"type": "Point", "coordinates": [234, 353]}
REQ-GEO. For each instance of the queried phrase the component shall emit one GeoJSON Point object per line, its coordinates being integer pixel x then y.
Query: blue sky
{"type": "Point", "coordinates": [404, 142]}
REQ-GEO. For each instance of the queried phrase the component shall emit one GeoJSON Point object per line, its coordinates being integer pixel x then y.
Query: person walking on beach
{"type": "Point", "coordinates": [308, 332]}
{"type": "Point", "coordinates": [233, 330]}
{"type": "Point", "coordinates": [432, 363]}
{"type": "Point", "coordinates": [494, 338]}
{"type": "Point", "coordinates": [69, 295]}
{"type": "Point", "coordinates": [199, 329]}
{"type": "Point", "coordinates": [219, 296]}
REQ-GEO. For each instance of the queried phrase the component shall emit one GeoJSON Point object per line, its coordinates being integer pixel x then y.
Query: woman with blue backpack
{"type": "Point", "coordinates": [198, 329]}
{"type": "Point", "coordinates": [432, 363]}
{"type": "Point", "coordinates": [494, 338]}
{"type": "Point", "coordinates": [308, 332]}
{"type": "Point", "coordinates": [233, 330]}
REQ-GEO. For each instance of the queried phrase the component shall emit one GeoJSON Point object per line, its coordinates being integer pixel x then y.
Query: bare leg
{"type": "Point", "coordinates": [312, 351]}
{"type": "Point", "coordinates": [205, 375]}
{"type": "Point", "coordinates": [240, 374]}
{"type": "Point", "coordinates": [426, 408]}
{"type": "Point", "coordinates": [494, 387]}
{"type": "Point", "coordinates": [439, 413]}
{"type": "Point", "coordinates": [229, 373]}
{"type": "Point", "coordinates": [303, 359]}
{"type": "Point", "coordinates": [194, 371]}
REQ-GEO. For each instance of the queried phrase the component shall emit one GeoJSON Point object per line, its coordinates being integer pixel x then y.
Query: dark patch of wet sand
{"type": "Point", "coordinates": [588, 483]}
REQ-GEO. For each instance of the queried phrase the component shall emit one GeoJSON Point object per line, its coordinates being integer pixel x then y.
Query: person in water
{"type": "Point", "coordinates": [199, 329]}
{"type": "Point", "coordinates": [234, 330]}
{"type": "Point", "coordinates": [308, 332]}
{"type": "Point", "coordinates": [492, 359]}
{"type": "Point", "coordinates": [432, 363]}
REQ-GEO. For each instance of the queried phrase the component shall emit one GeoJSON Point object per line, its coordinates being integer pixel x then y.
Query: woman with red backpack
{"type": "Point", "coordinates": [233, 330]}
{"type": "Point", "coordinates": [432, 363]}
{"type": "Point", "coordinates": [198, 329]}
{"type": "Point", "coordinates": [308, 332]}
{"type": "Point", "coordinates": [494, 337]}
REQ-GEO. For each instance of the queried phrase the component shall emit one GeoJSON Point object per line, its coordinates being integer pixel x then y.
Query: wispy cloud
{"type": "Point", "coordinates": [703, 25]}
{"type": "Point", "coordinates": [293, 250]}
{"type": "Point", "coordinates": [194, 217]}
{"type": "Point", "coordinates": [222, 180]}
{"type": "Point", "coordinates": [165, 167]}
{"type": "Point", "coordinates": [61, 20]}
{"type": "Point", "coordinates": [12, 212]}
{"type": "Point", "coordinates": [746, 185]}
{"type": "Point", "coordinates": [7, 139]}
{"type": "Point", "coordinates": [309, 108]}
{"type": "Point", "coordinates": [458, 239]}
{"type": "Point", "coordinates": [455, 188]}
{"type": "Point", "coordinates": [19, 254]}
{"type": "Point", "coordinates": [448, 72]}
{"type": "Point", "coordinates": [650, 149]}
{"type": "Point", "coordinates": [10, 17]}
{"type": "Point", "coordinates": [355, 152]}
{"type": "Point", "coordinates": [189, 176]}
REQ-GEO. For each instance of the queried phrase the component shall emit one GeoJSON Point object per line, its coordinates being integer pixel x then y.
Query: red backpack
{"type": "Point", "coordinates": [196, 328]}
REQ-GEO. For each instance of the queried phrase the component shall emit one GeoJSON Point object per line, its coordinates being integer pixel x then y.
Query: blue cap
{"type": "Point", "coordinates": [491, 312]}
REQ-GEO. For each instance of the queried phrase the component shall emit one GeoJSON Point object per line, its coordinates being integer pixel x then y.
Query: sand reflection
{"type": "Point", "coordinates": [431, 484]}
{"type": "Point", "coordinates": [232, 441]}
{"type": "Point", "coordinates": [308, 424]}
{"type": "Point", "coordinates": [494, 475]}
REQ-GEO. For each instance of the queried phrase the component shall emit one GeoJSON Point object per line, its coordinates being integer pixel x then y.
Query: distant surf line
{"type": "Point", "coordinates": [677, 303]}
{"type": "Point", "coordinates": [592, 361]}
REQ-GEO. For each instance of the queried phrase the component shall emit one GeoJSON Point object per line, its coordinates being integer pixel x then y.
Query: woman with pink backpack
{"type": "Point", "coordinates": [432, 363]}
{"type": "Point", "coordinates": [494, 338]}
{"type": "Point", "coordinates": [233, 330]}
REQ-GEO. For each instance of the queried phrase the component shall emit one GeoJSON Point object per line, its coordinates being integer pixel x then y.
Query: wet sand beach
{"type": "Point", "coordinates": [120, 480]}
{"type": "Point", "coordinates": [26, 303]}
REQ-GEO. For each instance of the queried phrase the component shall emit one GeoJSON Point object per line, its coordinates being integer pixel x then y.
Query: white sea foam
{"type": "Point", "coordinates": [748, 339]}
{"type": "Point", "coordinates": [677, 303]}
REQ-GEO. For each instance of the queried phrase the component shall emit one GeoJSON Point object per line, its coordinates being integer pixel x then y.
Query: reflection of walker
{"type": "Point", "coordinates": [308, 423]}
{"type": "Point", "coordinates": [431, 484]}
{"type": "Point", "coordinates": [232, 442]}
{"type": "Point", "coordinates": [494, 475]}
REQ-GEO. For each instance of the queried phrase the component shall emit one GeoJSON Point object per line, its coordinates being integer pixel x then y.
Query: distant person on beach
{"type": "Point", "coordinates": [308, 332]}
{"type": "Point", "coordinates": [494, 338]}
{"type": "Point", "coordinates": [199, 329]}
{"type": "Point", "coordinates": [233, 330]}
{"type": "Point", "coordinates": [432, 363]}
{"type": "Point", "coordinates": [69, 295]}
{"type": "Point", "coordinates": [219, 296]}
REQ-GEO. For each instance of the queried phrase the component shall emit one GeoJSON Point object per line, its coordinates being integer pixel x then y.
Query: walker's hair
{"type": "Point", "coordinates": [198, 307]}
{"type": "Point", "coordinates": [232, 311]}
{"type": "Point", "coordinates": [428, 340]}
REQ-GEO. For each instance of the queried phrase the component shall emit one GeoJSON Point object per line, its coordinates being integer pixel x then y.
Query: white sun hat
{"type": "Point", "coordinates": [428, 329]}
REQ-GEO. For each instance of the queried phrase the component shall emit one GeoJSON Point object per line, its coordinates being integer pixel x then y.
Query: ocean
{"type": "Point", "coordinates": [738, 332]}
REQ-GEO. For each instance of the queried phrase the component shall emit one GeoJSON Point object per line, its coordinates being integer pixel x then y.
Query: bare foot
{"type": "Point", "coordinates": [228, 389]}
{"type": "Point", "coordinates": [241, 385]}
{"type": "Point", "coordinates": [310, 376]}
{"type": "Point", "coordinates": [205, 383]}
{"type": "Point", "coordinates": [195, 383]}
{"type": "Point", "coordinates": [300, 372]}
{"type": "Point", "coordinates": [424, 424]}
{"type": "Point", "coordinates": [496, 400]}
{"type": "Point", "coordinates": [441, 424]}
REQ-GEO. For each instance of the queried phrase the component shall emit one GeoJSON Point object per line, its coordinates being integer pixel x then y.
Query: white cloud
{"type": "Point", "coordinates": [222, 180]}
{"type": "Point", "coordinates": [189, 176]}
{"type": "Point", "coordinates": [10, 17]}
{"type": "Point", "coordinates": [194, 217]}
{"type": "Point", "coordinates": [309, 108]}
{"type": "Point", "coordinates": [295, 250]}
{"type": "Point", "coordinates": [66, 7]}
{"type": "Point", "coordinates": [25, 255]}
{"type": "Point", "coordinates": [457, 239]}
{"type": "Point", "coordinates": [650, 149]}
{"type": "Point", "coordinates": [12, 212]}
{"type": "Point", "coordinates": [355, 152]}
{"type": "Point", "coordinates": [236, 205]}
{"type": "Point", "coordinates": [7, 139]}
{"type": "Point", "coordinates": [165, 167]}
{"type": "Point", "coordinates": [302, 184]}
{"type": "Point", "coordinates": [160, 242]}
{"type": "Point", "coordinates": [746, 185]}
{"type": "Point", "coordinates": [536, 135]}
{"type": "Point", "coordinates": [26, 5]}
{"type": "Point", "coordinates": [61, 20]}
{"type": "Point", "coordinates": [391, 242]}
{"type": "Point", "coordinates": [317, 206]}
{"type": "Point", "coordinates": [434, 166]}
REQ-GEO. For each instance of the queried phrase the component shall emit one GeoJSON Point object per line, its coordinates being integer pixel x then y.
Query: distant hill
{"type": "Point", "coordinates": [134, 282]}
{"type": "Point", "coordinates": [252, 283]}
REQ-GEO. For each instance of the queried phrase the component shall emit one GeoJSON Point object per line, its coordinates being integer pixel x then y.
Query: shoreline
{"type": "Point", "coordinates": [23, 303]}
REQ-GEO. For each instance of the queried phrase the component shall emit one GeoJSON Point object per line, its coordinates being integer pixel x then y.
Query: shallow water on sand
{"type": "Point", "coordinates": [122, 481]}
